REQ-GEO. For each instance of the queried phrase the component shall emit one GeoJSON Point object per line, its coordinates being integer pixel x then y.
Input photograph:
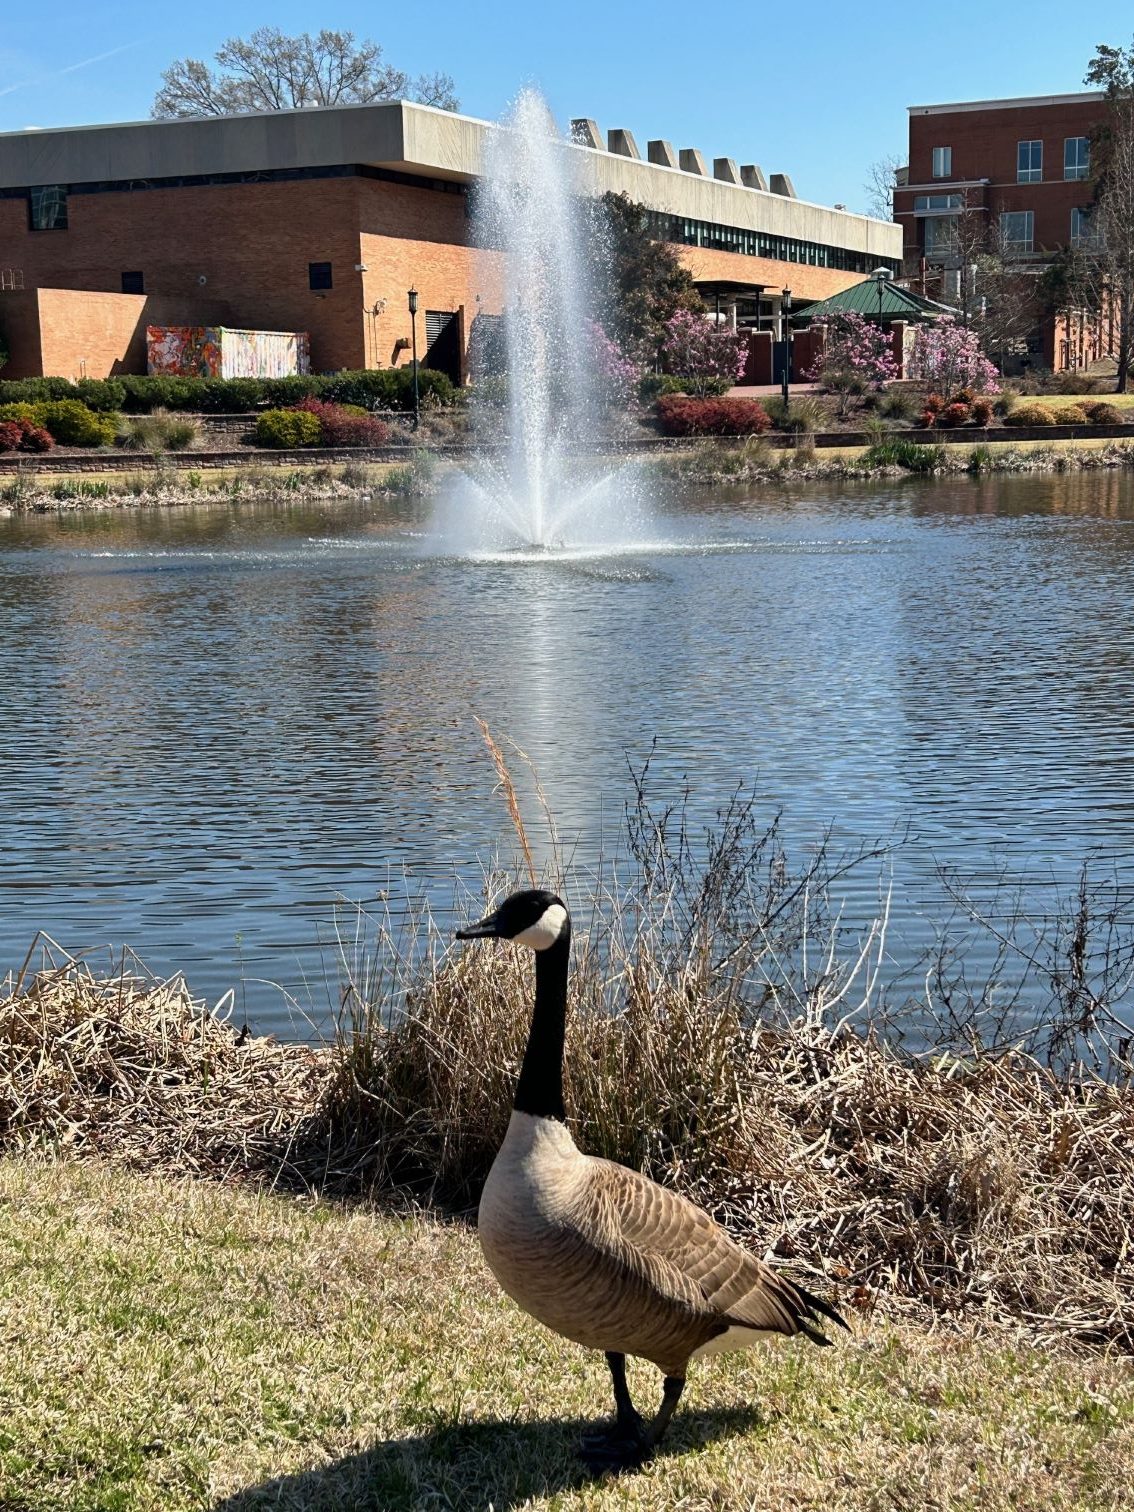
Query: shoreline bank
{"type": "Point", "coordinates": [103, 483]}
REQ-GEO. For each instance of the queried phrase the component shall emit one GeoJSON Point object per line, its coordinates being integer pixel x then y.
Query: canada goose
{"type": "Point", "coordinates": [599, 1252]}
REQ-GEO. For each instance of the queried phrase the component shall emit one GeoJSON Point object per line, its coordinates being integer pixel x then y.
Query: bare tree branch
{"type": "Point", "coordinates": [271, 71]}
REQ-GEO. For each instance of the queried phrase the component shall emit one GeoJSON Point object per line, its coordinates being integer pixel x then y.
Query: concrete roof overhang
{"type": "Point", "coordinates": [409, 138]}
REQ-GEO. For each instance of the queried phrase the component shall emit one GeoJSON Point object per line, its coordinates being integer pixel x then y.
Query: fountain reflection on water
{"type": "Point", "coordinates": [541, 490]}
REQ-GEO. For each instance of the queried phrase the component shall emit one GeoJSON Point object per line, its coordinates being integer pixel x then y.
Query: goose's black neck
{"type": "Point", "coordinates": [540, 1088]}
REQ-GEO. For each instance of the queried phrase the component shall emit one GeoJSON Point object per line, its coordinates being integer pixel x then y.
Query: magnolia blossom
{"type": "Point", "coordinates": [947, 357]}
{"type": "Point", "coordinates": [700, 350]}
{"type": "Point", "coordinates": [618, 374]}
{"type": "Point", "coordinates": [857, 347]}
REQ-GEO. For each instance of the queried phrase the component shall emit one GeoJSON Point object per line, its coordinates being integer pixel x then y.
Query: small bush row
{"type": "Point", "coordinates": [380, 388]}
{"type": "Point", "coordinates": [315, 423]}
{"type": "Point", "coordinates": [1092, 412]}
{"type": "Point", "coordinates": [680, 416]}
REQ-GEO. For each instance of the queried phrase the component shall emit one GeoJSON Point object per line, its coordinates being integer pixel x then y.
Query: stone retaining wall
{"type": "Point", "coordinates": [100, 461]}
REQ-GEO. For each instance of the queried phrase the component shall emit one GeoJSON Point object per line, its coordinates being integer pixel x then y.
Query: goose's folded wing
{"type": "Point", "coordinates": [674, 1237]}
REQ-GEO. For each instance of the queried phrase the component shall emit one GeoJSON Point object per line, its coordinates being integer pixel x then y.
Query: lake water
{"type": "Point", "coordinates": [220, 722]}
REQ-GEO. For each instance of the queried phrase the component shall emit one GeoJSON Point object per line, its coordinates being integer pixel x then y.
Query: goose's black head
{"type": "Point", "coordinates": [534, 917]}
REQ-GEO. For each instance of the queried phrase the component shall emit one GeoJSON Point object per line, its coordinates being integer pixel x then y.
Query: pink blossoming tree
{"type": "Point", "coordinates": [703, 352]}
{"type": "Point", "coordinates": [617, 374]}
{"type": "Point", "coordinates": [857, 357]}
{"type": "Point", "coordinates": [947, 357]}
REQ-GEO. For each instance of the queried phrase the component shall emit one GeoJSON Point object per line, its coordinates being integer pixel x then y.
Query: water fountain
{"type": "Point", "coordinates": [537, 489]}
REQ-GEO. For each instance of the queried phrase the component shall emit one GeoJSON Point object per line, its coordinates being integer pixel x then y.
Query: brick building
{"type": "Point", "coordinates": [321, 220]}
{"type": "Point", "coordinates": [1020, 169]}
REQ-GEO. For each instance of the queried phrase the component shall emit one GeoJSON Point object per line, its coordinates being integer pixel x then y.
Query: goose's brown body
{"type": "Point", "coordinates": [611, 1260]}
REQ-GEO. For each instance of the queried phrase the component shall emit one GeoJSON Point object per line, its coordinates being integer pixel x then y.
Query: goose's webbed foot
{"type": "Point", "coordinates": [623, 1446]}
{"type": "Point", "coordinates": [630, 1441]}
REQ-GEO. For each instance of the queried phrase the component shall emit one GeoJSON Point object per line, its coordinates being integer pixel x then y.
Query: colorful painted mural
{"type": "Point", "coordinates": [219, 352]}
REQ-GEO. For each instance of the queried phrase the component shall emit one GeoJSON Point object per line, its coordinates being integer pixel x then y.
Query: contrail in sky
{"type": "Point", "coordinates": [57, 73]}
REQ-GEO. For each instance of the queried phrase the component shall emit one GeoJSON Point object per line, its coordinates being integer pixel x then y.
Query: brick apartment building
{"type": "Point", "coordinates": [321, 220]}
{"type": "Point", "coordinates": [1023, 166]}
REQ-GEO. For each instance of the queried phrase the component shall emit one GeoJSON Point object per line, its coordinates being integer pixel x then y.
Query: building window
{"type": "Point", "coordinates": [319, 275]}
{"type": "Point", "coordinates": [1076, 157]}
{"type": "Point", "coordinates": [926, 204]}
{"type": "Point", "coordinates": [47, 207]}
{"type": "Point", "coordinates": [1029, 162]}
{"type": "Point", "coordinates": [1017, 232]}
{"type": "Point", "coordinates": [943, 162]}
{"type": "Point", "coordinates": [1082, 234]}
{"type": "Point", "coordinates": [940, 237]}
{"type": "Point", "coordinates": [133, 283]}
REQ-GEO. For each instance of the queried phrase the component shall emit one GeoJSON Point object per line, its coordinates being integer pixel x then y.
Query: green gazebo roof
{"type": "Point", "coordinates": [862, 298]}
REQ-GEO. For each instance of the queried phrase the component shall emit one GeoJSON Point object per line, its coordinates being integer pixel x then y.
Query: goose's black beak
{"type": "Point", "coordinates": [487, 929]}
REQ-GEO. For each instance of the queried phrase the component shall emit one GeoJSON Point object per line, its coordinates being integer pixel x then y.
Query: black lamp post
{"type": "Point", "coordinates": [785, 320]}
{"type": "Point", "coordinates": [413, 319]}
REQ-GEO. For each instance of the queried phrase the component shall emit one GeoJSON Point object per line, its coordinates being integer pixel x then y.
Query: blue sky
{"type": "Point", "coordinates": [820, 97]}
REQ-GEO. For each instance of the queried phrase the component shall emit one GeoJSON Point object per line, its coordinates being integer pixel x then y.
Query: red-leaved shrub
{"type": "Point", "coordinates": [934, 404]}
{"type": "Point", "coordinates": [343, 425]}
{"type": "Point", "coordinates": [10, 435]}
{"type": "Point", "coordinates": [24, 435]}
{"type": "Point", "coordinates": [981, 410]}
{"type": "Point", "coordinates": [953, 415]}
{"type": "Point", "coordinates": [682, 416]}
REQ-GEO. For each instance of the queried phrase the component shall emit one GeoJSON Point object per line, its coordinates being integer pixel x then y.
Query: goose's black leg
{"type": "Point", "coordinates": [630, 1442]}
{"type": "Point", "coordinates": [671, 1395]}
{"type": "Point", "coordinates": [625, 1442]}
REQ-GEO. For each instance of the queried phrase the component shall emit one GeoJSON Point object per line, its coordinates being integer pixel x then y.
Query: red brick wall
{"type": "Point", "coordinates": [251, 242]}
{"type": "Point", "coordinates": [984, 146]}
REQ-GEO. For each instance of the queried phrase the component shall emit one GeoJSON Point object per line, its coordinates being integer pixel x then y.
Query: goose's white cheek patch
{"type": "Point", "coordinates": [546, 929]}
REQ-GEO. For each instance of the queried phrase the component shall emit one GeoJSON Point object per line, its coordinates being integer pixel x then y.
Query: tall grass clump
{"type": "Point", "coordinates": [898, 452]}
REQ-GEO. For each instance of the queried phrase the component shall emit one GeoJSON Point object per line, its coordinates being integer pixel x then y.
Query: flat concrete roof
{"type": "Point", "coordinates": [411, 138]}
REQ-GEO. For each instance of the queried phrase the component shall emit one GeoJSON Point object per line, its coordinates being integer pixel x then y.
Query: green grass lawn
{"type": "Point", "coordinates": [186, 1345]}
{"type": "Point", "coordinates": [1061, 401]}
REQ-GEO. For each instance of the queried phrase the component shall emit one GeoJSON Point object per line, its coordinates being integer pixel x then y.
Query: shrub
{"type": "Point", "coordinates": [389, 388]}
{"type": "Point", "coordinates": [1070, 414]}
{"type": "Point", "coordinates": [680, 416]}
{"type": "Point", "coordinates": [101, 394]}
{"type": "Point", "coordinates": [280, 428]}
{"type": "Point", "coordinates": [33, 390]}
{"type": "Point", "coordinates": [18, 411]}
{"type": "Point", "coordinates": [27, 436]}
{"type": "Point", "coordinates": [981, 410]}
{"type": "Point", "coordinates": [1031, 414]}
{"type": "Point", "coordinates": [954, 415]}
{"type": "Point", "coordinates": [10, 436]}
{"type": "Point", "coordinates": [934, 404]}
{"type": "Point", "coordinates": [1099, 412]}
{"type": "Point", "coordinates": [345, 424]}
{"type": "Point", "coordinates": [71, 423]}
{"type": "Point", "coordinates": [655, 384]}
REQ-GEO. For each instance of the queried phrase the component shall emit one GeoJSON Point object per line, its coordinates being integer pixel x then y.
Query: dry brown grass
{"type": "Point", "coordinates": [980, 1188]}
{"type": "Point", "coordinates": [134, 1068]}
